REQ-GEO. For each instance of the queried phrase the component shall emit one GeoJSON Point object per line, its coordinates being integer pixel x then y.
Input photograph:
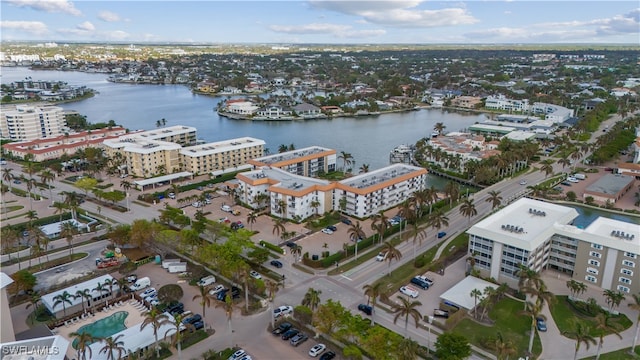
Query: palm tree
{"type": "Point", "coordinates": [613, 298]}
{"type": "Point", "coordinates": [580, 333]}
{"type": "Point", "coordinates": [372, 292]}
{"type": "Point", "coordinates": [380, 224]}
{"type": "Point", "coordinates": [439, 127]}
{"type": "Point", "coordinates": [110, 283]}
{"type": "Point", "coordinates": [355, 234]}
{"type": "Point", "coordinates": [453, 191]}
{"type": "Point", "coordinates": [364, 168]}
{"type": "Point", "coordinates": [503, 347]}
{"type": "Point", "coordinates": [468, 209]}
{"type": "Point", "coordinates": [475, 294]}
{"type": "Point", "coordinates": [68, 229]}
{"type": "Point", "coordinates": [312, 299]}
{"type": "Point", "coordinates": [534, 311]}
{"type": "Point", "coordinates": [64, 299]}
{"type": "Point", "coordinates": [7, 176]}
{"type": "Point", "coordinates": [72, 201]}
{"type": "Point", "coordinates": [635, 306]}
{"type": "Point", "coordinates": [408, 349]}
{"type": "Point", "coordinates": [176, 330]}
{"type": "Point", "coordinates": [30, 183]}
{"type": "Point", "coordinates": [391, 254]}
{"type": "Point", "coordinates": [83, 295]}
{"type": "Point", "coordinates": [528, 278]}
{"type": "Point", "coordinates": [156, 319]}
{"type": "Point", "coordinates": [112, 344]}
{"type": "Point", "coordinates": [46, 177]}
{"type": "Point", "coordinates": [547, 167]}
{"type": "Point", "coordinates": [83, 340]}
{"type": "Point", "coordinates": [564, 162]}
{"type": "Point", "coordinates": [604, 327]}
{"type": "Point", "coordinates": [296, 251]}
{"type": "Point", "coordinates": [278, 227]}
{"type": "Point", "coordinates": [347, 159]}
{"type": "Point", "coordinates": [228, 307]}
{"type": "Point", "coordinates": [407, 309]}
{"type": "Point", "coordinates": [205, 301]}
{"type": "Point", "coordinates": [251, 219]}
{"type": "Point", "coordinates": [494, 198]}
{"type": "Point", "coordinates": [272, 289]}
{"type": "Point", "coordinates": [100, 289]}
{"type": "Point", "coordinates": [438, 220]}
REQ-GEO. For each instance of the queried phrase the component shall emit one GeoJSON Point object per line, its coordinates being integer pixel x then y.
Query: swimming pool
{"type": "Point", "coordinates": [104, 328]}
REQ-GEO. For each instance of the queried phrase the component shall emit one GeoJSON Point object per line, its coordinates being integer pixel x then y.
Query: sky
{"type": "Point", "coordinates": [323, 22]}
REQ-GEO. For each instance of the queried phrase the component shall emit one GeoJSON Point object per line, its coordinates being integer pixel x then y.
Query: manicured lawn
{"type": "Point", "coordinates": [618, 355]}
{"type": "Point", "coordinates": [564, 314]}
{"type": "Point", "coordinates": [508, 322]}
{"type": "Point", "coordinates": [461, 241]}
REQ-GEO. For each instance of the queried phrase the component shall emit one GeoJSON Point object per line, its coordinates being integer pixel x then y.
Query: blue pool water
{"type": "Point", "coordinates": [104, 328]}
{"type": "Point", "coordinates": [588, 215]}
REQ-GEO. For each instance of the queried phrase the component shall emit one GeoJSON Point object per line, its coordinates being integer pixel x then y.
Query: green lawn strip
{"type": "Point", "coordinates": [141, 203]}
{"type": "Point", "coordinates": [401, 275]}
{"type": "Point", "coordinates": [194, 338]}
{"type": "Point", "coordinates": [564, 315]}
{"type": "Point", "coordinates": [370, 253]}
{"type": "Point", "coordinates": [61, 261]}
{"type": "Point", "coordinates": [508, 322]}
{"type": "Point", "coordinates": [9, 209]}
{"type": "Point", "coordinates": [622, 354]}
{"type": "Point", "coordinates": [460, 241]}
{"type": "Point", "coordinates": [16, 216]}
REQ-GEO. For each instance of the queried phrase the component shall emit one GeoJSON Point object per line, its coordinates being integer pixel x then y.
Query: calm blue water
{"type": "Point", "coordinates": [588, 215]}
{"type": "Point", "coordinates": [104, 328]}
{"type": "Point", "coordinates": [368, 139]}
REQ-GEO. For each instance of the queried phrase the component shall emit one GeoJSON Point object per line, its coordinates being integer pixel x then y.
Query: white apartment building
{"type": "Point", "coordinates": [501, 102]}
{"type": "Point", "coordinates": [289, 196]}
{"type": "Point", "coordinates": [307, 161]}
{"type": "Point", "coordinates": [368, 193]}
{"type": "Point", "coordinates": [221, 155]}
{"type": "Point", "coordinates": [241, 107]}
{"type": "Point", "coordinates": [180, 134]}
{"type": "Point", "coordinates": [552, 112]}
{"type": "Point", "coordinates": [541, 235]}
{"type": "Point", "coordinates": [31, 122]}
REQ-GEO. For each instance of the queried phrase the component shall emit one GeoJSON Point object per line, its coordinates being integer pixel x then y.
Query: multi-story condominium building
{"type": "Point", "coordinates": [222, 155]}
{"type": "Point", "coordinates": [144, 157]}
{"type": "Point", "coordinates": [55, 147]}
{"type": "Point", "coordinates": [369, 193]}
{"type": "Point", "coordinates": [501, 102]}
{"type": "Point", "coordinates": [555, 113]}
{"type": "Point", "coordinates": [287, 195]}
{"type": "Point", "coordinates": [31, 122]}
{"type": "Point", "coordinates": [305, 162]}
{"type": "Point", "coordinates": [540, 235]}
{"type": "Point", "coordinates": [179, 134]}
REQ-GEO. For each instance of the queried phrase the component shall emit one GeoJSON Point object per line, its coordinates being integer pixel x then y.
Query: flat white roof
{"type": "Point", "coordinates": [372, 178]}
{"type": "Point", "coordinates": [520, 135]}
{"type": "Point", "coordinates": [167, 131]}
{"type": "Point", "coordinates": [5, 280]}
{"type": "Point", "coordinates": [162, 178]}
{"type": "Point", "coordinates": [285, 179]}
{"type": "Point", "coordinates": [293, 154]}
{"type": "Point", "coordinates": [535, 218]}
{"type": "Point", "coordinates": [611, 233]}
{"type": "Point", "coordinates": [48, 299]}
{"type": "Point", "coordinates": [139, 145]}
{"type": "Point", "coordinates": [53, 229]}
{"type": "Point", "coordinates": [459, 294]}
{"type": "Point", "coordinates": [135, 338]}
{"type": "Point", "coordinates": [221, 146]}
{"type": "Point", "coordinates": [495, 128]}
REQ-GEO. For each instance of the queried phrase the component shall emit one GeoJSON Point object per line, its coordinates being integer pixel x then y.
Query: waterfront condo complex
{"type": "Point", "coordinates": [541, 235]}
{"type": "Point", "coordinates": [305, 162]}
{"type": "Point", "coordinates": [31, 122]}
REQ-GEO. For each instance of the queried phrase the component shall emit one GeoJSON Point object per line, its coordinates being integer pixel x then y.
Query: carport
{"type": "Point", "coordinates": [460, 295]}
{"type": "Point", "coordinates": [140, 184]}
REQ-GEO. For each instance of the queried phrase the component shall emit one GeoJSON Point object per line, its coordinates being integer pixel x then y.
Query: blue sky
{"type": "Point", "coordinates": [324, 22]}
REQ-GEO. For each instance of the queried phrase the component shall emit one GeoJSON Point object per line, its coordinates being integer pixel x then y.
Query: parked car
{"type": "Point", "coordinates": [345, 221]}
{"type": "Point", "coordinates": [282, 310]}
{"type": "Point", "coordinates": [298, 339]}
{"type": "Point", "coordinates": [254, 274]}
{"type": "Point", "coordinates": [216, 289]}
{"type": "Point", "coordinates": [328, 355]}
{"type": "Point", "coordinates": [365, 309]}
{"type": "Point", "coordinates": [317, 350]}
{"type": "Point", "coordinates": [332, 228]}
{"type": "Point", "coordinates": [276, 263]}
{"type": "Point", "coordinates": [175, 308]}
{"type": "Point", "coordinates": [198, 325]}
{"type": "Point", "coordinates": [282, 328]}
{"type": "Point", "coordinates": [237, 355]}
{"type": "Point", "coordinates": [289, 334]}
{"type": "Point", "coordinates": [192, 319]}
{"type": "Point", "coordinates": [148, 292]}
{"type": "Point", "coordinates": [441, 313]}
{"type": "Point", "coordinates": [327, 231]}
{"type": "Point", "coordinates": [132, 278]}
{"type": "Point", "coordinates": [409, 291]}
{"type": "Point", "coordinates": [420, 283]}
{"type": "Point", "coordinates": [541, 324]}
{"type": "Point", "coordinates": [291, 244]}
{"type": "Point", "coordinates": [172, 195]}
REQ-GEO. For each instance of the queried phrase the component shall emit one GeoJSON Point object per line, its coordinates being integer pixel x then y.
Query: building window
{"type": "Point", "coordinates": [595, 254]}
{"type": "Point", "coordinates": [628, 263]}
{"type": "Point", "coordinates": [624, 289]}
{"type": "Point", "coordinates": [624, 280]}
{"type": "Point", "coordinates": [631, 255]}
{"type": "Point", "coordinates": [596, 246]}
{"type": "Point", "coordinates": [626, 272]}
{"type": "Point", "coordinates": [593, 271]}
{"type": "Point", "coordinates": [594, 262]}
{"type": "Point", "coordinates": [591, 279]}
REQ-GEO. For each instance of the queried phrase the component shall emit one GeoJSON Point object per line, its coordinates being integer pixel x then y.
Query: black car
{"type": "Point", "coordinates": [193, 319]}
{"type": "Point", "coordinates": [332, 228]}
{"type": "Point", "coordinates": [175, 308]}
{"type": "Point", "coordinates": [282, 328]}
{"type": "Point", "coordinates": [235, 293]}
{"type": "Point", "coordinates": [328, 355]}
{"type": "Point", "coordinates": [291, 244]}
{"type": "Point", "coordinates": [289, 334]}
{"type": "Point", "coordinates": [346, 221]}
{"type": "Point", "coordinates": [298, 339]}
{"type": "Point", "coordinates": [198, 325]}
{"type": "Point", "coordinates": [365, 309]}
{"type": "Point", "coordinates": [276, 263]}
{"type": "Point", "coordinates": [420, 283]}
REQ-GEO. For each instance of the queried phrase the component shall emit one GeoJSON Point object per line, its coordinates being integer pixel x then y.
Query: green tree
{"type": "Point", "coordinates": [112, 344]}
{"type": "Point", "coordinates": [63, 299]}
{"type": "Point", "coordinates": [635, 305]}
{"type": "Point", "coordinates": [408, 349]}
{"type": "Point", "coordinates": [328, 316]}
{"type": "Point", "coordinates": [86, 184]}
{"type": "Point", "coordinates": [452, 346]}
{"type": "Point", "coordinates": [372, 292]}
{"type": "Point", "coordinates": [155, 319]}
{"type": "Point", "coordinates": [23, 281]}
{"type": "Point", "coordinates": [604, 327]}
{"type": "Point", "coordinates": [312, 299]}
{"type": "Point", "coordinates": [83, 340]}
{"type": "Point", "coordinates": [581, 334]}
{"type": "Point", "coordinates": [170, 293]}
{"type": "Point", "coordinates": [494, 198]}
{"type": "Point", "coordinates": [406, 308]}
{"type": "Point", "coordinates": [205, 301]}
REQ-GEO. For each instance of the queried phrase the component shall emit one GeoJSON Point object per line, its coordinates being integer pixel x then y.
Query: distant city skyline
{"type": "Point", "coordinates": [323, 22]}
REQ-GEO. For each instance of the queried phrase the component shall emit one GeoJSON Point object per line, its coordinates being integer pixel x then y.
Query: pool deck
{"type": "Point", "coordinates": [135, 318]}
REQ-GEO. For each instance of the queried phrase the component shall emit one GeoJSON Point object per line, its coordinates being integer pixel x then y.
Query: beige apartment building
{"type": "Point", "coordinates": [221, 155]}
{"type": "Point", "coordinates": [145, 158]}
{"type": "Point", "coordinates": [179, 134]}
{"type": "Point", "coordinates": [31, 122]}
{"type": "Point", "coordinates": [304, 162]}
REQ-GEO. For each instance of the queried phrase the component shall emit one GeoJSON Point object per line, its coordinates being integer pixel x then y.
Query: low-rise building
{"type": "Point", "coordinates": [609, 188]}
{"type": "Point", "coordinates": [467, 102]}
{"type": "Point", "coordinates": [75, 304]}
{"type": "Point", "coordinates": [541, 235]}
{"type": "Point", "coordinates": [463, 146]}
{"type": "Point", "coordinates": [179, 134]}
{"type": "Point", "coordinates": [307, 161]}
{"type": "Point", "coordinates": [145, 157]}
{"type": "Point", "coordinates": [221, 155]}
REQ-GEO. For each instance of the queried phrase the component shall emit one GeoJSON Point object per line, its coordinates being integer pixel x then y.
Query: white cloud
{"type": "Point", "coordinates": [85, 26]}
{"type": "Point", "coordinates": [340, 31]}
{"type": "Point", "coordinates": [32, 27]}
{"type": "Point", "coordinates": [83, 29]}
{"type": "Point", "coordinates": [51, 6]}
{"type": "Point", "coordinates": [116, 35]}
{"type": "Point", "coordinates": [399, 13]}
{"type": "Point", "coordinates": [109, 16]}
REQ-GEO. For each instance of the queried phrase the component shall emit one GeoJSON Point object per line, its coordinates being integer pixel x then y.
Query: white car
{"type": "Point", "coordinates": [523, 182]}
{"type": "Point", "coordinates": [381, 256]}
{"type": "Point", "coordinates": [282, 310]}
{"type": "Point", "coordinates": [317, 350]}
{"type": "Point", "coordinates": [573, 180]}
{"type": "Point", "coordinates": [327, 231]}
{"type": "Point", "coordinates": [254, 274]}
{"type": "Point", "coordinates": [409, 291]}
{"type": "Point", "coordinates": [237, 355]}
{"type": "Point", "coordinates": [148, 292]}
{"type": "Point", "coordinates": [216, 289]}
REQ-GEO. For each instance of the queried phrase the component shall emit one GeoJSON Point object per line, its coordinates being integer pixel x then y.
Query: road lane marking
{"type": "Point", "coordinates": [346, 277]}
